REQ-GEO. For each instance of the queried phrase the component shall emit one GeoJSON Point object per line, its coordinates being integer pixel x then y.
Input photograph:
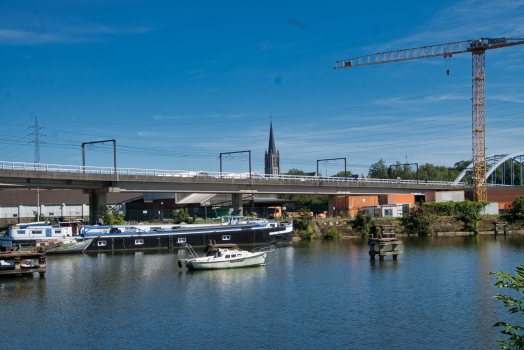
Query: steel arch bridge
{"type": "Point", "coordinates": [493, 163]}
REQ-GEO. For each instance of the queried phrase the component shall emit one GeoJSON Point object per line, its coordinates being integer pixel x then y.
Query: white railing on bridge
{"type": "Point", "coordinates": [78, 169]}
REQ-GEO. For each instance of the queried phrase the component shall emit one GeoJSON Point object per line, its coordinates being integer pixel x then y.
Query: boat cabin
{"type": "Point", "coordinates": [28, 232]}
{"type": "Point", "coordinates": [213, 249]}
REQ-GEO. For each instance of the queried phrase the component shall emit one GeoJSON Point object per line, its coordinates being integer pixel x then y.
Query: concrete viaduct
{"type": "Point", "coordinates": [97, 182]}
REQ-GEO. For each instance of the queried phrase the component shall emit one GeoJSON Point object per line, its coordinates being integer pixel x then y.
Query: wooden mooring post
{"type": "Point", "coordinates": [384, 244]}
{"type": "Point", "coordinates": [498, 224]}
{"type": "Point", "coordinates": [23, 263]}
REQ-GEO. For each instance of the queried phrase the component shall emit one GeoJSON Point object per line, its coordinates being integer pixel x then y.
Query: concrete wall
{"type": "Point", "coordinates": [491, 209]}
{"type": "Point", "coordinates": [444, 196]}
{"type": "Point", "coordinates": [10, 215]}
{"type": "Point", "coordinates": [380, 210]}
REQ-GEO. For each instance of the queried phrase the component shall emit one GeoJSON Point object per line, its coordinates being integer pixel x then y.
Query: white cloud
{"type": "Point", "coordinates": [265, 45]}
{"type": "Point", "coordinates": [66, 35]}
{"type": "Point", "coordinates": [468, 19]}
{"type": "Point", "coordinates": [166, 117]}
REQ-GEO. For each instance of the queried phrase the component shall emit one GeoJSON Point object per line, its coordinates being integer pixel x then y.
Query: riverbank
{"type": "Point", "coordinates": [442, 226]}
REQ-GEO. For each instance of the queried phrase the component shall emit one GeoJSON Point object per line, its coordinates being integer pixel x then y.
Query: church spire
{"type": "Point", "coordinates": [272, 157]}
{"type": "Point", "coordinates": [271, 148]}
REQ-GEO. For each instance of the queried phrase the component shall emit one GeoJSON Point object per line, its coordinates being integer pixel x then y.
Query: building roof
{"type": "Point", "coordinates": [15, 197]}
{"type": "Point", "coordinates": [196, 198]}
{"type": "Point", "coordinates": [271, 148]}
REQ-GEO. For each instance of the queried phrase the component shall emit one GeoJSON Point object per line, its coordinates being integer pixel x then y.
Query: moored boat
{"type": "Point", "coordinates": [171, 236]}
{"type": "Point", "coordinates": [38, 231]}
{"type": "Point", "coordinates": [225, 256]}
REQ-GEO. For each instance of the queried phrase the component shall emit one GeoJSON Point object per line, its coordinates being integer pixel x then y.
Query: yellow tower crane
{"type": "Point", "coordinates": [478, 48]}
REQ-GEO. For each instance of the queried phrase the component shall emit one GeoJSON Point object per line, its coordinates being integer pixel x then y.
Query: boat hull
{"type": "Point", "coordinates": [201, 264]}
{"type": "Point", "coordinates": [196, 238]}
{"type": "Point", "coordinates": [67, 248]}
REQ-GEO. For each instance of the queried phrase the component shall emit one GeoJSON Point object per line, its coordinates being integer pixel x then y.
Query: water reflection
{"type": "Point", "coordinates": [313, 295]}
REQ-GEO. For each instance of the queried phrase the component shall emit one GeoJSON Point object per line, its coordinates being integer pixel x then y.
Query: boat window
{"type": "Point", "coordinates": [58, 231]}
{"type": "Point", "coordinates": [37, 232]}
{"type": "Point", "coordinates": [226, 237]}
{"type": "Point", "coordinates": [51, 214]}
{"type": "Point", "coordinates": [227, 256]}
{"type": "Point", "coordinates": [181, 240]}
{"type": "Point", "coordinates": [102, 243]}
{"type": "Point", "coordinates": [21, 232]}
{"type": "Point", "coordinates": [234, 256]}
{"type": "Point", "coordinates": [139, 241]}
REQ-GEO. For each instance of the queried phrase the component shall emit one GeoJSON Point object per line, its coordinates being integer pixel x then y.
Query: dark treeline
{"type": "Point", "coordinates": [426, 172]}
{"type": "Point", "coordinates": [430, 172]}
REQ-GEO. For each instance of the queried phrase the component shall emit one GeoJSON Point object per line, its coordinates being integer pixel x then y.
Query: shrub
{"type": "Point", "coordinates": [332, 233]}
{"type": "Point", "coordinates": [108, 216]}
{"type": "Point", "coordinates": [417, 220]}
{"type": "Point", "coordinates": [302, 222]}
{"type": "Point", "coordinates": [516, 214]}
{"type": "Point", "coordinates": [516, 306]}
{"type": "Point", "coordinates": [307, 234]}
{"type": "Point", "coordinates": [181, 215]}
{"type": "Point", "coordinates": [469, 214]}
{"type": "Point", "coordinates": [440, 208]}
{"type": "Point", "coordinates": [362, 223]}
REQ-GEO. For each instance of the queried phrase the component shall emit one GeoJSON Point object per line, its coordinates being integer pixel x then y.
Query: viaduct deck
{"type": "Point", "coordinates": [212, 183]}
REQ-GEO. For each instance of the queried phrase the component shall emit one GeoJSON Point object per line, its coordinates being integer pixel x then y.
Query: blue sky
{"type": "Point", "coordinates": [176, 83]}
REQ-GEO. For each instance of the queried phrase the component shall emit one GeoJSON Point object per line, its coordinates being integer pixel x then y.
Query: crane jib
{"type": "Point", "coordinates": [477, 48]}
{"type": "Point", "coordinates": [497, 41]}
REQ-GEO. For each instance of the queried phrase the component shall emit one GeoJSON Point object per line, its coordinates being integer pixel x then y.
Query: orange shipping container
{"type": "Point", "coordinates": [397, 199]}
{"type": "Point", "coordinates": [349, 205]}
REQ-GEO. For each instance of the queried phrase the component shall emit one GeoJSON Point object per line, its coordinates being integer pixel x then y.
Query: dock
{"type": "Point", "coordinates": [16, 263]}
{"type": "Point", "coordinates": [384, 244]}
{"type": "Point", "coordinates": [500, 224]}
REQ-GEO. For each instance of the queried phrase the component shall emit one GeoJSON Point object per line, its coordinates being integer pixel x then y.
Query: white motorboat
{"type": "Point", "coordinates": [225, 256]}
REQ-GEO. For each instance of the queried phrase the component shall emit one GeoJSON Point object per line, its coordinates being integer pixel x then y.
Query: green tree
{"type": "Point", "coordinates": [403, 171]}
{"type": "Point", "coordinates": [302, 222]}
{"type": "Point", "coordinates": [469, 214]}
{"type": "Point", "coordinates": [378, 170]}
{"type": "Point", "coordinates": [306, 200]}
{"type": "Point", "coordinates": [515, 305]}
{"type": "Point", "coordinates": [295, 171]}
{"type": "Point", "coordinates": [342, 174]}
{"type": "Point", "coordinates": [42, 217]}
{"type": "Point", "coordinates": [362, 223]}
{"type": "Point", "coordinates": [108, 216]}
{"type": "Point", "coordinates": [417, 220]}
{"type": "Point", "coordinates": [516, 214]}
{"type": "Point", "coordinates": [182, 216]}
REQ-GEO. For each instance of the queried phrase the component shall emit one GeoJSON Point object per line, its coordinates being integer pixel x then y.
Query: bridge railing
{"type": "Point", "coordinates": [58, 168]}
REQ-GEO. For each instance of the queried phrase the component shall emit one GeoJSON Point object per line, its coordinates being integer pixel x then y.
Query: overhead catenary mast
{"type": "Point", "coordinates": [477, 47]}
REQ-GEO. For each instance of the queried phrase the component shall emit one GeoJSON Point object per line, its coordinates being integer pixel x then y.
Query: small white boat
{"type": "Point", "coordinates": [225, 256]}
{"type": "Point", "coordinates": [4, 265]}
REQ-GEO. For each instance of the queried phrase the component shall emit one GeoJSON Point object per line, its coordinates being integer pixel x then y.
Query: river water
{"type": "Point", "coordinates": [313, 295]}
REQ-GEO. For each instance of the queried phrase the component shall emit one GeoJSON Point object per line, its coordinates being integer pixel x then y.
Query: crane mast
{"type": "Point", "coordinates": [478, 49]}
